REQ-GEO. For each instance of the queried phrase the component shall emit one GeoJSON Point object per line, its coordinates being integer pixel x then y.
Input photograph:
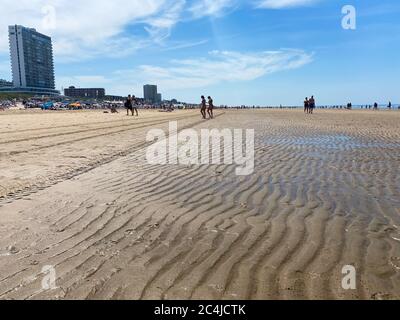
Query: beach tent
{"type": "Point", "coordinates": [75, 105]}
{"type": "Point", "coordinates": [47, 105]}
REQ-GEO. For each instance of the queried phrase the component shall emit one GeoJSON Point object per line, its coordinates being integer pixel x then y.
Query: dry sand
{"type": "Point", "coordinates": [77, 194]}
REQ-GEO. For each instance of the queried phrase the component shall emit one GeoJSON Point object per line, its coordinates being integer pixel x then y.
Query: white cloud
{"type": "Point", "coordinates": [184, 45]}
{"type": "Point", "coordinates": [79, 26]}
{"type": "Point", "coordinates": [203, 8]}
{"type": "Point", "coordinates": [218, 67]}
{"type": "Point", "coordinates": [160, 26]}
{"type": "Point", "coordinates": [83, 29]}
{"type": "Point", "coordinates": [281, 4]}
{"type": "Point", "coordinates": [223, 66]}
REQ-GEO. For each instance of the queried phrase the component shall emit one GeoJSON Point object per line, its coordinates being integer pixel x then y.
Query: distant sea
{"type": "Point", "coordinates": [355, 107]}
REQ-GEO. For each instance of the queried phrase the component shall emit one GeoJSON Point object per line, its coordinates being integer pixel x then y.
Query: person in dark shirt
{"type": "Point", "coordinates": [128, 105]}
{"type": "Point", "coordinates": [203, 107]}
{"type": "Point", "coordinates": [312, 105]}
{"type": "Point", "coordinates": [306, 105]}
{"type": "Point", "coordinates": [211, 108]}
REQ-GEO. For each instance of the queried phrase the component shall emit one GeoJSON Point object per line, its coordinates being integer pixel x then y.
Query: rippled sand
{"type": "Point", "coordinates": [76, 193]}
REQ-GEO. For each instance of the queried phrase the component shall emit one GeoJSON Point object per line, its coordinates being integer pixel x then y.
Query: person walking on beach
{"type": "Point", "coordinates": [211, 108]}
{"type": "Point", "coordinates": [129, 105]}
{"type": "Point", "coordinates": [311, 105]}
{"type": "Point", "coordinates": [306, 105]}
{"type": "Point", "coordinates": [134, 106]}
{"type": "Point", "coordinates": [375, 106]}
{"type": "Point", "coordinates": [203, 107]}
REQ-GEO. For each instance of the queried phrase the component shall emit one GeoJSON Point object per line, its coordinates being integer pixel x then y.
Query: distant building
{"type": "Point", "coordinates": [151, 94]}
{"type": "Point", "coordinates": [114, 98]}
{"type": "Point", "coordinates": [89, 93]}
{"type": "Point", "coordinates": [159, 97]}
{"type": "Point", "coordinates": [5, 83]}
{"type": "Point", "coordinates": [31, 61]}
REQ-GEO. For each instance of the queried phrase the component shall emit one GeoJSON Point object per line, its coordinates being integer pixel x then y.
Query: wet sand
{"type": "Point", "coordinates": [76, 193]}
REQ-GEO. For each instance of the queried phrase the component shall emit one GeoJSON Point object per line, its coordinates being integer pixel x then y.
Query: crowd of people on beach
{"type": "Point", "coordinates": [310, 106]}
{"type": "Point", "coordinates": [207, 106]}
{"type": "Point", "coordinates": [375, 107]}
{"type": "Point", "coordinates": [132, 104]}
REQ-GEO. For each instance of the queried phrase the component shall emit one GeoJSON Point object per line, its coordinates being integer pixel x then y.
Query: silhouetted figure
{"type": "Point", "coordinates": [311, 105]}
{"type": "Point", "coordinates": [129, 105]}
{"type": "Point", "coordinates": [211, 108]}
{"type": "Point", "coordinates": [134, 106]}
{"type": "Point", "coordinates": [203, 107]}
{"type": "Point", "coordinates": [114, 109]}
{"type": "Point", "coordinates": [306, 105]}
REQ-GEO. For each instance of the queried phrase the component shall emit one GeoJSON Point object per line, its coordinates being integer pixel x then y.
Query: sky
{"type": "Point", "coordinates": [253, 52]}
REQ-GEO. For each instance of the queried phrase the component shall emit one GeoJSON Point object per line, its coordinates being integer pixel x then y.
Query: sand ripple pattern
{"type": "Point", "coordinates": [324, 194]}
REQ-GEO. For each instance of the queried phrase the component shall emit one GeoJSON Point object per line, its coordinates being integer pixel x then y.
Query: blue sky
{"type": "Point", "coordinates": [255, 52]}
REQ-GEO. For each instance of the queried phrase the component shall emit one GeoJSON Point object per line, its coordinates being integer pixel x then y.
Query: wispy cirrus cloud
{"type": "Point", "coordinates": [217, 67]}
{"type": "Point", "coordinates": [203, 8]}
{"type": "Point", "coordinates": [282, 4]}
{"type": "Point", "coordinates": [185, 45]}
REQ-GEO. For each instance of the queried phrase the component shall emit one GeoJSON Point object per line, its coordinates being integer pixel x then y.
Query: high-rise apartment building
{"type": "Point", "coordinates": [31, 60]}
{"type": "Point", "coordinates": [150, 93]}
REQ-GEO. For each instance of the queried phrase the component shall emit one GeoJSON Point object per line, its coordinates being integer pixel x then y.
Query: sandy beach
{"type": "Point", "coordinates": [77, 194]}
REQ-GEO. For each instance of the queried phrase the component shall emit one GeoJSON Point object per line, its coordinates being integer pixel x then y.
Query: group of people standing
{"type": "Point", "coordinates": [205, 109]}
{"type": "Point", "coordinates": [309, 105]}
{"type": "Point", "coordinates": [131, 105]}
